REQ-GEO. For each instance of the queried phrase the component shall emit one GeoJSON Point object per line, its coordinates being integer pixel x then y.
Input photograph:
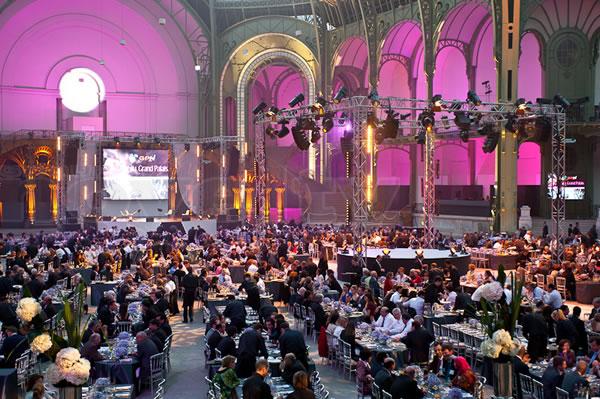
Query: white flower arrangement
{"type": "Point", "coordinates": [42, 343]}
{"type": "Point", "coordinates": [500, 343]}
{"type": "Point", "coordinates": [27, 309]}
{"type": "Point", "coordinates": [69, 367]}
{"type": "Point", "coordinates": [491, 292]}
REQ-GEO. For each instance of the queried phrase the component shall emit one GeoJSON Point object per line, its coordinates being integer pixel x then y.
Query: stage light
{"type": "Point", "coordinates": [436, 103]}
{"type": "Point", "coordinates": [390, 125]}
{"type": "Point", "coordinates": [427, 119]}
{"type": "Point", "coordinates": [271, 132]}
{"type": "Point", "coordinates": [186, 147]}
{"type": "Point", "coordinates": [197, 68]}
{"type": "Point", "coordinates": [464, 136]}
{"type": "Point", "coordinates": [137, 141]}
{"type": "Point", "coordinates": [296, 100]}
{"type": "Point", "coordinates": [283, 131]}
{"type": "Point", "coordinates": [491, 141]}
{"type": "Point", "coordinates": [511, 124]}
{"type": "Point", "coordinates": [386, 252]}
{"type": "Point", "coordinates": [462, 120]}
{"type": "Point", "coordinates": [452, 251]}
{"type": "Point", "coordinates": [486, 129]}
{"type": "Point", "coordinates": [358, 249]}
{"type": "Point", "coordinates": [299, 136]}
{"type": "Point", "coordinates": [327, 123]}
{"type": "Point", "coordinates": [315, 136]}
{"type": "Point", "coordinates": [157, 140]}
{"type": "Point", "coordinates": [317, 109]}
{"type": "Point", "coordinates": [309, 125]}
{"type": "Point", "coordinates": [340, 95]}
{"type": "Point", "coordinates": [419, 253]}
{"type": "Point", "coordinates": [117, 140]}
{"type": "Point", "coordinates": [272, 112]}
{"type": "Point", "coordinates": [321, 101]}
{"type": "Point", "coordinates": [560, 100]}
{"type": "Point", "coordinates": [473, 98]}
{"type": "Point", "coordinates": [420, 136]}
{"type": "Point", "coordinates": [522, 106]}
{"type": "Point", "coordinates": [374, 97]}
{"type": "Point", "coordinates": [259, 108]}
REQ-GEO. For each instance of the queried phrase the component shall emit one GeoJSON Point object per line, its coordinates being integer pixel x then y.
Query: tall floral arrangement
{"type": "Point", "coordinates": [68, 368]}
{"type": "Point", "coordinates": [499, 317]}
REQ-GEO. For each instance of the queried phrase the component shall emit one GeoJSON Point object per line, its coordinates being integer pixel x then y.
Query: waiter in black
{"type": "Point", "coordinates": [190, 285]}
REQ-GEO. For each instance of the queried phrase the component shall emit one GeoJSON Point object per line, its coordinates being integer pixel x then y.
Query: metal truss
{"type": "Point", "coordinates": [495, 114]}
{"type": "Point", "coordinates": [361, 162]}
{"type": "Point", "coordinates": [558, 175]}
{"type": "Point", "coordinates": [261, 177]}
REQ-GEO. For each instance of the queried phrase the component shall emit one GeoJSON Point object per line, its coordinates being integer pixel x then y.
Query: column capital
{"type": "Point", "coordinates": [280, 189]}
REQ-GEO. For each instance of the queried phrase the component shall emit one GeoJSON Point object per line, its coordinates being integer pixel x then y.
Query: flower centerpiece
{"type": "Point", "coordinates": [499, 318]}
{"type": "Point", "coordinates": [69, 371]}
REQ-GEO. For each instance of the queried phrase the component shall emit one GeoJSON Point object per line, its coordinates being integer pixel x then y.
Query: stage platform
{"type": "Point", "coordinates": [143, 226]}
{"type": "Point", "coordinates": [399, 257]}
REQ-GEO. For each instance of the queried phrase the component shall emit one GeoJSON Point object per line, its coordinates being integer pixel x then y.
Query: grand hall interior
{"type": "Point", "coordinates": [299, 199]}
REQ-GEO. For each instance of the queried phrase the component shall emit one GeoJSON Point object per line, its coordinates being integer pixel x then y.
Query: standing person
{"type": "Point", "coordinates": [292, 341]}
{"type": "Point", "coordinates": [255, 387]}
{"type": "Point", "coordinates": [364, 375]}
{"type": "Point", "coordinates": [417, 341]}
{"type": "Point", "coordinates": [535, 329]}
{"type": "Point", "coordinates": [581, 343]}
{"type": "Point", "coordinates": [250, 346]}
{"type": "Point", "coordinates": [553, 377]}
{"type": "Point", "coordinates": [190, 286]}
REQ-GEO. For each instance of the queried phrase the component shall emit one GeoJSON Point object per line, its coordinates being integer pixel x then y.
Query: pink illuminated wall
{"type": "Point", "coordinates": [351, 67]}
{"type": "Point", "coordinates": [450, 79]}
{"type": "Point", "coordinates": [393, 167]}
{"type": "Point", "coordinates": [529, 165]}
{"type": "Point", "coordinates": [530, 68]}
{"type": "Point", "coordinates": [147, 68]}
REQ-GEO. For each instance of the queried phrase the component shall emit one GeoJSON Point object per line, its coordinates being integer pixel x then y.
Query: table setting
{"type": "Point", "coordinates": [118, 365]}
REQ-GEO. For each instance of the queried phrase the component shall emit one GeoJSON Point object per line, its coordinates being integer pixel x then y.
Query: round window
{"type": "Point", "coordinates": [567, 52]}
{"type": "Point", "coordinates": [81, 90]}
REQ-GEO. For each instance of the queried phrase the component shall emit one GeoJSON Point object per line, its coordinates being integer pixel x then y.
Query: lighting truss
{"type": "Point", "coordinates": [495, 114]}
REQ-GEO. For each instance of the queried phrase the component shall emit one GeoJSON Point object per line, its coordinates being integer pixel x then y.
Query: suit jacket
{"type": "Point", "coordinates": [565, 330]}
{"type": "Point", "coordinates": [236, 311]}
{"type": "Point", "coordinates": [551, 379]}
{"type": "Point", "coordinates": [252, 344]}
{"type": "Point", "coordinates": [405, 388]}
{"type": "Point", "coordinates": [292, 341]}
{"type": "Point", "coordinates": [256, 388]}
{"type": "Point", "coordinates": [213, 341]}
{"type": "Point", "coordinates": [145, 350]}
{"type": "Point", "coordinates": [384, 379]}
{"type": "Point", "coordinates": [581, 343]}
{"type": "Point", "coordinates": [320, 316]}
{"type": "Point", "coordinates": [288, 373]}
{"type": "Point", "coordinates": [534, 324]}
{"type": "Point", "coordinates": [13, 347]}
{"type": "Point", "coordinates": [90, 352]}
{"type": "Point", "coordinates": [227, 347]}
{"type": "Point", "coordinates": [417, 341]}
{"type": "Point", "coordinates": [519, 367]}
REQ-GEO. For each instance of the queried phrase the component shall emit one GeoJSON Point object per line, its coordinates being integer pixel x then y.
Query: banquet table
{"type": "Point", "coordinates": [119, 371]}
{"type": "Point", "coordinates": [275, 287]}
{"type": "Point", "coordinates": [237, 273]}
{"type": "Point", "coordinates": [86, 274]}
{"type": "Point", "coordinates": [508, 261]}
{"type": "Point", "coordinates": [441, 318]}
{"type": "Point", "coordinates": [98, 288]}
{"type": "Point", "coordinates": [587, 291]}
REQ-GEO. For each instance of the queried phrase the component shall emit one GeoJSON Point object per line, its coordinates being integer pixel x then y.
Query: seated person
{"type": "Point", "coordinates": [227, 345]}
{"type": "Point", "coordinates": [90, 349]}
{"type": "Point", "coordinates": [145, 350]}
{"type": "Point", "coordinates": [14, 345]}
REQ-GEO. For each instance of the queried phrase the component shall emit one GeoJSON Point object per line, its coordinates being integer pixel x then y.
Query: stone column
{"type": "Point", "coordinates": [249, 201]}
{"type": "Point", "coordinates": [236, 198]}
{"type": "Point", "coordinates": [280, 191]}
{"type": "Point", "coordinates": [267, 204]}
{"type": "Point", "coordinates": [54, 201]}
{"type": "Point", "coordinates": [30, 199]}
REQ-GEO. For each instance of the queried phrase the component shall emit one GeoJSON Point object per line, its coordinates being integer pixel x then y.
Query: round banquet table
{"type": "Point", "coordinates": [587, 291]}
{"type": "Point", "coordinates": [402, 257]}
{"type": "Point", "coordinates": [275, 288]}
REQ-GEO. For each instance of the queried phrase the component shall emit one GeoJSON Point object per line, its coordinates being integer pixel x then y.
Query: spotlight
{"type": "Point", "coordinates": [283, 131]}
{"type": "Point", "coordinates": [436, 103]}
{"type": "Point", "coordinates": [491, 141]}
{"type": "Point", "coordinates": [299, 135]}
{"type": "Point", "coordinates": [358, 249]}
{"type": "Point", "coordinates": [321, 101]}
{"type": "Point", "coordinates": [259, 108]}
{"type": "Point", "coordinates": [309, 124]}
{"type": "Point", "coordinates": [137, 141]}
{"type": "Point", "coordinates": [272, 112]}
{"type": "Point", "coordinates": [473, 98]}
{"type": "Point", "coordinates": [340, 95]}
{"type": "Point", "coordinates": [271, 132]}
{"type": "Point", "coordinates": [427, 119]}
{"type": "Point", "coordinates": [374, 97]}
{"type": "Point", "coordinates": [522, 106]}
{"type": "Point", "coordinates": [327, 123]}
{"type": "Point", "coordinates": [296, 100]}
{"type": "Point", "coordinates": [157, 140]}
{"type": "Point", "coordinates": [186, 147]}
{"type": "Point", "coordinates": [511, 124]}
{"type": "Point", "coordinates": [317, 109]}
{"type": "Point", "coordinates": [462, 120]}
{"type": "Point", "coordinates": [419, 253]}
{"type": "Point", "coordinates": [403, 117]}
{"type": "Point", "coordinates": [386, 252]}
{"type": "Point", "coordinates": [197, 68]}
{"type": "Point", "coordinates": [560, 100]}
{"type": "Point", "coordinates": [315, 136]}
{"type": "Point", "coordinates": [486, 129]}
{"type": "Point", "coordinates": [420, 136]}
{"type": "Point", "coordinates": [537, 130]}
{"type": "Point", "coordinates": [117, 140]}
{"type": "Point", "coordinates": [390, 125]}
